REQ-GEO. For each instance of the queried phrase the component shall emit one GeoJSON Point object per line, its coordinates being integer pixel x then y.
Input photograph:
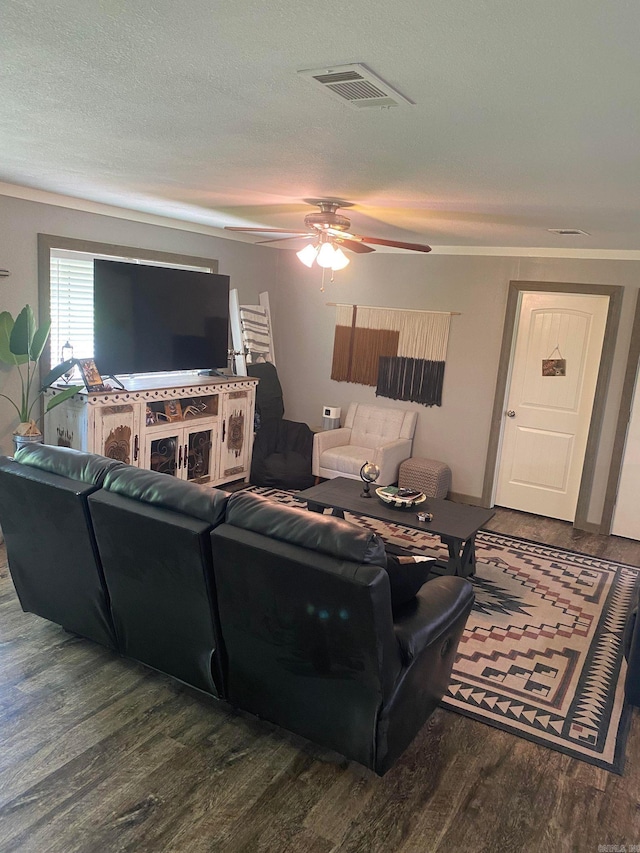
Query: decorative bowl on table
{"type": "Point", "coordinates": [400, 498]}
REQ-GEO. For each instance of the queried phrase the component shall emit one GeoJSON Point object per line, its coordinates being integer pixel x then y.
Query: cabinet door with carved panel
{"type": "Point", "coordinates": [117, 432]}
{"type": "Point", "coordinates": [183, 452]}
{"type": "Point", "coordinates": [163, 450]}
{"type": "Point", "coordinates": [200, 453]}
{"type": "Point", "coordinates": [237, 433]}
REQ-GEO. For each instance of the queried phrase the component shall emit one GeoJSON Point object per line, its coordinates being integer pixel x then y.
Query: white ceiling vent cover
{"type": "Point", "coordinates": [356, 85]}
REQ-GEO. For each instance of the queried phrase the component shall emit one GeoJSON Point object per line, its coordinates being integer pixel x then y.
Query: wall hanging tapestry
{"type": "Point", "coordinates": [541, 655]}
{"type": "Point", "coordinates": [401, 353]}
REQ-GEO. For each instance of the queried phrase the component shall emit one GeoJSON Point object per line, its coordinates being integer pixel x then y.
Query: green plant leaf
{"type": "Point", "coordinates": [39, 340]}
{"type": "Point", "coordinates": [57, 372]}
{"type": "Point", "coordinates": [22, 333]}
{"type": "Point", "coordinates": [6, 327]}
{"type": "Point", "coordinates": [62, 396]}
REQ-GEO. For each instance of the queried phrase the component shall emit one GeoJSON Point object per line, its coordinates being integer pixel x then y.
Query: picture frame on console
{"type": "Point", "coordinates": [90, 375]}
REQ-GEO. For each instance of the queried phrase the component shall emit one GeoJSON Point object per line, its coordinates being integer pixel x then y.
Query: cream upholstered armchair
{"type": "Point", "coordinates": [369, 434]}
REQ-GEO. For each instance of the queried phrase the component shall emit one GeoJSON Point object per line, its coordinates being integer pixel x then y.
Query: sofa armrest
{"type": "Point", "coordinates": [388, 458]}
{"type": "Point", "coordinates": [324, 441]}
{"type": "Point", "coordinates": [437, 606]}
{"type": "Point", "coordinates": [428, 631]}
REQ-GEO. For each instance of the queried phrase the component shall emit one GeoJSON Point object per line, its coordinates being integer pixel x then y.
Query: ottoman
{"type": "Point", "coordinates": [431, 477]}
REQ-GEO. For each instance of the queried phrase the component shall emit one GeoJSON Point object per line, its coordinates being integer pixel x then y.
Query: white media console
{"type": "Point", "coordinates": [192, 427]}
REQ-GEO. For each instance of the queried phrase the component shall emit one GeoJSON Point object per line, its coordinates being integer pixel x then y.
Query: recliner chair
{"type": "Point", "coordinates": [51, 546]}
{"type": "Point", "coordinates": [311, 641]}
{"type": "Point", "coordinates": [153, 532]}
{"type": "Point", "coordinates": [370, 434]}
{"type": "Point", "coordinates": [282, 449]}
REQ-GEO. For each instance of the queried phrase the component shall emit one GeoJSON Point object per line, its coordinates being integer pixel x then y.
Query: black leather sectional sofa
{"type": "Point", "coordinates": [282, 613]}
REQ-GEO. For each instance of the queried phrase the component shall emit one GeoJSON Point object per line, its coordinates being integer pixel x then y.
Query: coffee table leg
{"type": "Point", "coordinates": [469, 557]}
{"type": "Point", "coordinates": [455, 562]}
{"type": "Point", "coordinates": [313, 507]}
{"type": "Point", "coordinates": [462, 556]}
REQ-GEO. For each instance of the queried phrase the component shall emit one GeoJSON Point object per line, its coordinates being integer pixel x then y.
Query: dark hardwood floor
{"type": "Point", "coordinates": [98, 754]}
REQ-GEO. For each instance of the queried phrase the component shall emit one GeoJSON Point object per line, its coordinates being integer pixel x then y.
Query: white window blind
{"type": "Point", "coordinates": [71, 283]}
{"type": "Point", "coordinates": [71, 299]}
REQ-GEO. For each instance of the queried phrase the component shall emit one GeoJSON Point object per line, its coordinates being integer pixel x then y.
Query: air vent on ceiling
{"type": "Point", "coordinates": [569, 232]}
{"type": "Point", "coordinates": [356, 85]}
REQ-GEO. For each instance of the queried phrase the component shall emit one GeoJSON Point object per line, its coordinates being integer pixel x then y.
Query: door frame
{"type": "Point", "coordinates": [622, 425]}
{"type": "Point", "coordinates": [512, 314]}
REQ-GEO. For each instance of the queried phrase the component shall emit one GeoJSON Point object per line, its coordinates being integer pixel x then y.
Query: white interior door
{"type": "Point", "coordinates": [547, 417]}
{"type": "Point", "coordinates": [626, 517]}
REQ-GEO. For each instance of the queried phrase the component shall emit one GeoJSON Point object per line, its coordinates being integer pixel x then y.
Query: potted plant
{"type": "Point", "coordinates": [21, 344]}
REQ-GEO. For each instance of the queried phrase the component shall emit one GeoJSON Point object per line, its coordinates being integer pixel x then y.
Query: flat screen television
{"type": "Point", "coordinates": [149, 319]}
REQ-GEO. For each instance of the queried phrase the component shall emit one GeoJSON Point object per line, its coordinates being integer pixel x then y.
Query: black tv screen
{"type": "Point", "coordinates": [149, 319]}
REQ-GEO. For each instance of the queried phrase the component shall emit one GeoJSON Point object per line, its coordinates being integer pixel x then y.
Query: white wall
{"type": "Point", "coordinates": [458, 431]}
{"type": "Point", "coordinates": [251, 268]}
{"type": "Point", "coordinates": [477, 287]}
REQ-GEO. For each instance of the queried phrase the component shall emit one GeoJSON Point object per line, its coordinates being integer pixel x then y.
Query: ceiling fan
{"type": "Point", "coordinates": [330, 232]}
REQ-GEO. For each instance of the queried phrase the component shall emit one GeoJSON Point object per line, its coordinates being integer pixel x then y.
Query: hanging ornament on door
{"type": "Point", "coordinates": [554, 366]}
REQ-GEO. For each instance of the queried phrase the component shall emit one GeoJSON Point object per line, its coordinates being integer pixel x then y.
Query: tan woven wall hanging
{"type": "Point", "coordinates": [400, 353]}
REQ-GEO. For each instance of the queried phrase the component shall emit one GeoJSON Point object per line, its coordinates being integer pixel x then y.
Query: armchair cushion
{"type": "Point", "coordinates": [374, 426]}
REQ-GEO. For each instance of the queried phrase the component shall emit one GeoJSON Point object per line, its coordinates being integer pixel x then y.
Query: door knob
{"type": "Point", "coordinates": [511, 413]}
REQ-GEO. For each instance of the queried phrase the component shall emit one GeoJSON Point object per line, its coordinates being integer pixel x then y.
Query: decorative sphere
{"type": "Point", "coordinates": [369, 472]}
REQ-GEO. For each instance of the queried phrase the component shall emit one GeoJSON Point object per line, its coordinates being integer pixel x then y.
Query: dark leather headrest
{"type": "Point", "coordinates": [74, 464]}
{"type": "Point", "coordinates": [269, 400]}
{"type": "Point", "coordinates": [332, 536]}
{"type": "Point", "coordinates": [167, 492]}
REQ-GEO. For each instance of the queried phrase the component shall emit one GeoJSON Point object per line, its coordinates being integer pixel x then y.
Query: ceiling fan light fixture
{"type": "Point", "coordinates": [308, 255]}
{"type": "Point", "coordinates": [340, 260]}
{"type": "Point", "coordinates": [326, 256]}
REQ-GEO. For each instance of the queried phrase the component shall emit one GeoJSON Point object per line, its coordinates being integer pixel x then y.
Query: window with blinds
{"type": "Point", "coordinates": [71, 299]}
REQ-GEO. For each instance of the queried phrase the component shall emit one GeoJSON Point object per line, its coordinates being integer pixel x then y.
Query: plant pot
{"type": "Point", "coordinates": [23, 440]}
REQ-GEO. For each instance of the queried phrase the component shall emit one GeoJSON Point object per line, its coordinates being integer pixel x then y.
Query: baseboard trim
{"type": "Point", "coordinates": [465, 499]}
{"type": "Point", "coordinates": [589, 527]}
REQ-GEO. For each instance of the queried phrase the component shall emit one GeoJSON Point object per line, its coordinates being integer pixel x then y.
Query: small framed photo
{"type": "Point", "coordinates": [554, 367]}
{"type": "Point", "coordinates": [90, 375]}
{"type": "Point", "coordinates": [173, 410]}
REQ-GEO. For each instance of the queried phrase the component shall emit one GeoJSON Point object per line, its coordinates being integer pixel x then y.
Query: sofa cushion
{"type": "Point", "coordinates": [73, 464]}
{"type": "Point", "coordinates": [167, 492]}
{"type": "Point", "coordinates": [323, 533]}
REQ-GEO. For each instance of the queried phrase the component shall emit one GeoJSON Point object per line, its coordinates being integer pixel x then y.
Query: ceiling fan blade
{"type": "Point", "coordinates": [411, 247]}
{"type": "Point", "coordinates": [264, 230]}
{"type": "Point", "coordinates": [354, 246]}
{"type": "Point", "coordinates": [301, 236]}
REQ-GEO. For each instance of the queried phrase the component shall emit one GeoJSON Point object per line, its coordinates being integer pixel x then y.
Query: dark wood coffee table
{"type": "Point", "coordinates": [455, 524]}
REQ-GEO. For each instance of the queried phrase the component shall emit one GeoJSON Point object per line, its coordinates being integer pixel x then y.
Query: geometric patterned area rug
{"type": "Point", "coordinates": [541, 655]}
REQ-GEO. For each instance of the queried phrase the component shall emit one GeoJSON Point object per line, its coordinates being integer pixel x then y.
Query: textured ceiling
{"type": "Point", "coordinates": [526, 115]}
